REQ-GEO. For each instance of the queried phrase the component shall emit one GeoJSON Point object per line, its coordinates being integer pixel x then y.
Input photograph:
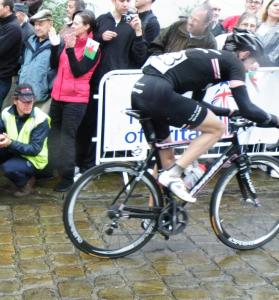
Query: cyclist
{"type": "Point", "coordinates": [158, 95]}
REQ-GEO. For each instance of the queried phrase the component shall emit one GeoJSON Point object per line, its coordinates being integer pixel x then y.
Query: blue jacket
{"type": "Point", "coordinates": [35, 69]}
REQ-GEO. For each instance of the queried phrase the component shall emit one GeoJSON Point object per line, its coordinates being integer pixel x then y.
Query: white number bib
{"type": "Point", "coordinates": [166, 61]}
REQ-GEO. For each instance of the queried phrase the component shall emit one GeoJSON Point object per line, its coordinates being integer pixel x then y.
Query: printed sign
{"type": "Point", "coordinates": [122, 132]}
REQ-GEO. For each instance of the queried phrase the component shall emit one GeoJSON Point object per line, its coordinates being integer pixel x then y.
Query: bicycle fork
{"type": "Point", "coordinates": [245, 182]}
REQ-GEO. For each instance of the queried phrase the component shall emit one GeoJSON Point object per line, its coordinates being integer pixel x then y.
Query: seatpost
{"type": "Point", "coordinates": [148, 130]}
{"type": "Point", "coordinates": [150, 136]}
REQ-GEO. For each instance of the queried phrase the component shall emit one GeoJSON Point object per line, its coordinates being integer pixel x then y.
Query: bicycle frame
{"type": "Point", "coordinates": [233, 153]}
{"type": "Point", "coordinates": [237, 217]}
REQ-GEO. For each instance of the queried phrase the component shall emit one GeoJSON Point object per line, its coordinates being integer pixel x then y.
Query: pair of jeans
{"type": "Point", "coordinates": [5, 85]}
{"type": "Point", "coordinates": [18, 169]}
{"type": "Point", "coordinates": [66, 118]}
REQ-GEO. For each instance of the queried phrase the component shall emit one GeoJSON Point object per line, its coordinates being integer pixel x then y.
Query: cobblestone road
{"type": "Point", "coordinates": [37, 261]}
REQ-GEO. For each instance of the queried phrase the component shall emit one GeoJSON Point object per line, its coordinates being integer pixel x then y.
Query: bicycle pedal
{"type": "Point", "coordinates": [165, 236]}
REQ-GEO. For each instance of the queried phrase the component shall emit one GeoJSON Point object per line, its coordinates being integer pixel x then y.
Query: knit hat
{"type": "Point", "coordinates": [23, 7]}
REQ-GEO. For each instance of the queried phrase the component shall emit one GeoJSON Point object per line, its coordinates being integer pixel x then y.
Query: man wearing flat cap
{"type": "Point", "coordinates": [36, 63]}
{"type": "Point", "coordinates": [42, 15]}
{"type": "Point", "coordinates": [23, 140]}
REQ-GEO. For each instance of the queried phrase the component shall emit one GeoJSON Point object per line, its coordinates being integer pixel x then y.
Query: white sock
{"type": "Point", "coordinates": [175, 170]}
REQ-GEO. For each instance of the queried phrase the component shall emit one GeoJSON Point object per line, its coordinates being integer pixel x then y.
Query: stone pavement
{"type": "Point", "coordinates": [37, 260]}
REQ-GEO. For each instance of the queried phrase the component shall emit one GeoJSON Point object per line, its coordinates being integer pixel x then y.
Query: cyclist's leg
{"type": "Point", "coordinates": [167, 155]}
{"type": "Point", "coordinates": [170, 108]}
{"type": "Point", "coordinates": [183, 112]}
{"type": "Point", "coordinates": [212, 130]}
{"type": "Point", "coordinates": [157, 89]}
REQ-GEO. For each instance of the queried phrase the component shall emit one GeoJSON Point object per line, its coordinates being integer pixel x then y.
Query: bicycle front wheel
{"type": "Point", "coordinates": [238, 221]}
{"type": "Point", "coordinates": [91, 216]}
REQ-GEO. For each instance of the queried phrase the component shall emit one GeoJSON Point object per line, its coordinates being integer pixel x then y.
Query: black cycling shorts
{"type": "Point", "coordinates": [155, 98]}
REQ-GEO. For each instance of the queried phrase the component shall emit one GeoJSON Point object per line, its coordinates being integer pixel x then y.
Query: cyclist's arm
{"type": "Point", "coordinates": [248, 109]}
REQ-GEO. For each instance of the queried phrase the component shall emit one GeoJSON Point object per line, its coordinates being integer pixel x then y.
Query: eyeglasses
{"type": "Point", "coordinates": [254, 2]}
{"type": "Point", "coordinates": [246, 25]}
{"type": "Point", "coordinates": [216, 9]}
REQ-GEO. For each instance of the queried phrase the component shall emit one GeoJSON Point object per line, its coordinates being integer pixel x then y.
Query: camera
{"type": "Point", "coordinates": [128, 17]}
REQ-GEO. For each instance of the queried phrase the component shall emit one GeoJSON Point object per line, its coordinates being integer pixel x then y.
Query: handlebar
{"type": "Point", "coordinates": [237, 122]}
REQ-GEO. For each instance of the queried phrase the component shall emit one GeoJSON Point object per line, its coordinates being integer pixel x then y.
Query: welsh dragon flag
{"type": "Point", "coordinates": [91, 48]}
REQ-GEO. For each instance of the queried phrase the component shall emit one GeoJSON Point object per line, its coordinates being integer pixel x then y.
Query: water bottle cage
{"type": "Point", "coordinates": [192, 174]}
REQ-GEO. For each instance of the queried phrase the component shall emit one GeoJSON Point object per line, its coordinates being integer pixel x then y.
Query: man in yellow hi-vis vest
{"type": "Point", "coordinates": [23, 140]}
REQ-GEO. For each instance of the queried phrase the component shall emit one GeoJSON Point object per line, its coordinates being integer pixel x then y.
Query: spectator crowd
{"type": "Point", "coordinates": [48, 78]}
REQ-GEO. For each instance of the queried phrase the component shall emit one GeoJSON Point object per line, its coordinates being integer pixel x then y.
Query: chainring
{"type": "Point", "coordinates": [172, 220]}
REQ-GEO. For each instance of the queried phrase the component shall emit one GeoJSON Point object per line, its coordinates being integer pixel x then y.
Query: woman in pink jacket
{"type": "Point", "coordinates": [75, 58]}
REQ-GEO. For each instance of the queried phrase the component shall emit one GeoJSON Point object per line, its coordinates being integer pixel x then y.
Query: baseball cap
{"type": "Point", "coordinates": [42, 15]}
{"type": "Point", "coordinates": [24, 92]}
{"type": "Point", "coordinates": [23, 7]}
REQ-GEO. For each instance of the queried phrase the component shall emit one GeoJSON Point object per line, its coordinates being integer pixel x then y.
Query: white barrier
{"type": "Point", "coordinates": [120, 137]}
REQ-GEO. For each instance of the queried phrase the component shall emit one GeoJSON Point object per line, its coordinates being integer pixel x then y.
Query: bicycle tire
{"type": "Point", "coordinates": [243, 225]}
{"type": "Point", "coordinates": [85, 211]}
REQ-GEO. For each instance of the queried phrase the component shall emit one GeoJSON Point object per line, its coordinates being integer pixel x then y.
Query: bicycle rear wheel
{"type": "Point", "coordinates": [96, 196]}
{"type": "Point", "coordinates": [240, 223]}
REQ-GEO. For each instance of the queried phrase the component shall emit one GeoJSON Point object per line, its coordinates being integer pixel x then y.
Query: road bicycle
{"type": "Point", "coordinates": [115, 208]}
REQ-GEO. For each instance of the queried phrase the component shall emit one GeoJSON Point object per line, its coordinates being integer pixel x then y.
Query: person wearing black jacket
{"type": "Point", "coordinates": [33, 6]}
{"type": "Point", "coordinates": [123, 47]}
{"type": "Point", "coordinates": [10, 46]}
{"type": "Point", "coordinates": [150, 24]}
{"type": "Point", "coordinates": [21, 11]}
{"type": "Point", "coordinates": [122, 42]}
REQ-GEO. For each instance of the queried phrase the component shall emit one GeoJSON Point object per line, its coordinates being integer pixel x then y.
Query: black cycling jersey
{"type": "Point", "coordinates": [158, 93]}
{"type": "Point", "coordinates": [196, 69]}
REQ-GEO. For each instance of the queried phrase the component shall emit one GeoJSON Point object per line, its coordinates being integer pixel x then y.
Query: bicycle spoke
{"type": "Point", "coordinates": [97, 217]}
{"type": "Point", "coordinates": [246, 222]}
